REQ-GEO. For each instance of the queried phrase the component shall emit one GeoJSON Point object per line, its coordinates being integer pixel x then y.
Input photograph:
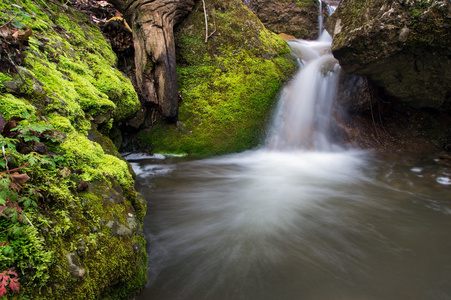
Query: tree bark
{"type": "Point", "coordinates": [152, 23]}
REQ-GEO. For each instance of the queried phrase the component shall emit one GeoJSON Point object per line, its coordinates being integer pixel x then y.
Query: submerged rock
{"type": "Point", "coordinates": [403, 46]}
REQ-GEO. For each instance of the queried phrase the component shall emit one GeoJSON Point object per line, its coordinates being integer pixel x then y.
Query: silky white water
{"type": "Point", "coordinates": [301, 218]}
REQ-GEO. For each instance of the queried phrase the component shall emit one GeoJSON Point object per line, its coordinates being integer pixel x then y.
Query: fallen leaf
{"type": "Point", "coordinates": [2, 209]}
{"type": "Point", "coordinates": [4, 32]}
{"type": "Point", "coordinates": [19, 178]}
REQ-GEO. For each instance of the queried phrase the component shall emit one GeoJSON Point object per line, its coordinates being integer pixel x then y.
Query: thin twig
{"type": "Point", "coordinates": [9, 21]}
{"type": "Point", "coordinates": [214, 22]}
{"type": "Point", "coordinates": [206, 22]}
{"type": "Point", "coordinates": [9, 171]}
{"type": "Point", "coordinates": [191, 88]}
{"type": "Point", "coordinates": [29, 222]}
{"type": "Point", "coordinates": [14, 65]}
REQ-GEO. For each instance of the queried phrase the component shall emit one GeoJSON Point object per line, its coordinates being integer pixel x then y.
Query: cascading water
{"type": "Point", "coordinates": [303, 116]}
{"type": "Point", "coordinates": [300, 218]}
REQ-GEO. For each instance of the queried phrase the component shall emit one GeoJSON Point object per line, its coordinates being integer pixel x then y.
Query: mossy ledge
{"type": "Point", "coordinates": [228, 84]}
{"type": "Point", "coordinates": [84, 243]}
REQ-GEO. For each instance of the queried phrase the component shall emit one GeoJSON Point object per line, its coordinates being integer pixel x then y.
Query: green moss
{"type": "Point", "coordinates": [90, 157]}
{"type": "Point", "coordinates": [229, 84]}
{"type": "Point", "coordinates": [71, 80]}
{"type": "Point", "coordinates": [12, 106]}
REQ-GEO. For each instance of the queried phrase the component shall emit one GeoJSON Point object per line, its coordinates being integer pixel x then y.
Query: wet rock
{"type": "Point", "coordinates": [295, 18]}
{"type": "Point", "coordinates": [355, 93]}
{"type": "Point", "coordinates": [402, 46]}
{"type": "Point", "coordinates": [138, 119]}
{"type": "Point", "coordinates": [75, 267]}
{"type": "Point", "coordinates": [13, 86]}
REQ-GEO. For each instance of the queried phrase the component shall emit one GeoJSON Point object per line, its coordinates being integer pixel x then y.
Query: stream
{"type": "Point", "coordinates": [302, 217]}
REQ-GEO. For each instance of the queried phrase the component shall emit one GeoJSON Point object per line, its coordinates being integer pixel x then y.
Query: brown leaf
{"type": "Point", "coordinates": [19, 178]}
{"type": "Point", "coordinates": [25, 35]}
{"type": "Point", "coordinates": [2, 208]}
{"type": "Point", "coordinates": [4, 32]}
{"type": "Point", "coordinates": [16, 34]}
{"type": "Point", "coordinates": [10, 125]}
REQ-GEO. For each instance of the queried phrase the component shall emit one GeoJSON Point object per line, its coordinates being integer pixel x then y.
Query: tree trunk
{"type": "Point", "coordinates": [152, 23]}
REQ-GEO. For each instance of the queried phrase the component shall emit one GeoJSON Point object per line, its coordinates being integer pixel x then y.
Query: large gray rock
{"type": "Point", "coordinates": [404, 46]}
{"type": "Point", "coordinates": [296, 18]}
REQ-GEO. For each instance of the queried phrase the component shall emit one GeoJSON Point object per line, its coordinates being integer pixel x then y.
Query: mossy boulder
{"type": "Point", "coordinates": [84, 238]}
{"type": "Point", "coordinates": [228, 84]}
{"type": "Point", "coordinates": [402, 46]}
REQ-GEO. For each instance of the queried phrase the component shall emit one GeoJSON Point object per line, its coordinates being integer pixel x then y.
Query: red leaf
{"type": "Point", "coordinates": [14, 284]}
{"type": "Point", "coordinates": [2, 291]}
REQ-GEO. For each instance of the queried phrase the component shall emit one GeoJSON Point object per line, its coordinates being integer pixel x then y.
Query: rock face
{"type": "Point", "coordinates": [403, 46]}
{"type": "Point", "coordinates": [152, 23]}
{"type": "Point", "coordinates": [297, 18]}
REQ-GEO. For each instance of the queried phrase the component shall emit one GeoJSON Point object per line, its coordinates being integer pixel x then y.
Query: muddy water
{"type": "Point", "coordinates": [297, 225]}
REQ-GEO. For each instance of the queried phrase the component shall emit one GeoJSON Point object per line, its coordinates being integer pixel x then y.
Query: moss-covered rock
{"type": "Point", "coordinates": [402, 46]}
{"type": "Point", "coordinates": [84, 238]}
{"type": "Point", "coordinates": [228, 84]}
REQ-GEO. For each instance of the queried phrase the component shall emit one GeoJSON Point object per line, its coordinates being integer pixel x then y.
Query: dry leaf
{"type": "Point", "coordinates": [19, 178]}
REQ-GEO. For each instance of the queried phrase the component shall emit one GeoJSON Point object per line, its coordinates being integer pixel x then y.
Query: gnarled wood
{"type": "Point", "coordinates": [152, 24]}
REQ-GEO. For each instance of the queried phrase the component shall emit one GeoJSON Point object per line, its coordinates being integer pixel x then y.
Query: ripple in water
{"type": "Point", "coordinates": [295, 225]}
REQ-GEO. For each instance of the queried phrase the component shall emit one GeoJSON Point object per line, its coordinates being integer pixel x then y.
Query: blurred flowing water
{"type": "Point", "coordinates": [301, 218]}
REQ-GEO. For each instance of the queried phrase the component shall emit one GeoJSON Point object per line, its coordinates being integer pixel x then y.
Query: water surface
{"type": "Point", "coordinates": [297, 225]}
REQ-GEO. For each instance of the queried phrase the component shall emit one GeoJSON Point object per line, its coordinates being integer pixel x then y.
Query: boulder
{"type": "Point", "coordinates": [403, 46]}
{"type": "Point", "coordinates": [296, 18]}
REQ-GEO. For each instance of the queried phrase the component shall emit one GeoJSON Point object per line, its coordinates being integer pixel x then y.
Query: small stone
{"type": "Point", "coordinates": [83, 186]}
{"type": "Point", "coordinates": [74, 265]}
{"type": "Point", "coordinates": [13, 86]}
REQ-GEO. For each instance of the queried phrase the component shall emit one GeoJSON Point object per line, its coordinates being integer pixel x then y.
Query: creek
{"type": "Point", "coordinates": [302, 217]}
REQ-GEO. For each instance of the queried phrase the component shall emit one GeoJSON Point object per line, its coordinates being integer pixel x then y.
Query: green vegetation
{"type": "Point", "coordinates": [67, 204]}
{"type": "Point", "coordinates": [228, 84]}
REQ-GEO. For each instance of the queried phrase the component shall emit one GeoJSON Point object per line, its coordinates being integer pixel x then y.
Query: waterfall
{"type": "Point", "coordinates": [304, 114]}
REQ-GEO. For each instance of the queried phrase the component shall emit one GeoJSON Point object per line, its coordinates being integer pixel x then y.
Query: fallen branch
{"type": "Point", "coordinates": [9, 21]}
{"type": "Point", "coordinates": [8, 171]}
{"type": "Point", "coordinates": [14, 65]}
{"type": "Point", "coordinates": [206, 23]}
